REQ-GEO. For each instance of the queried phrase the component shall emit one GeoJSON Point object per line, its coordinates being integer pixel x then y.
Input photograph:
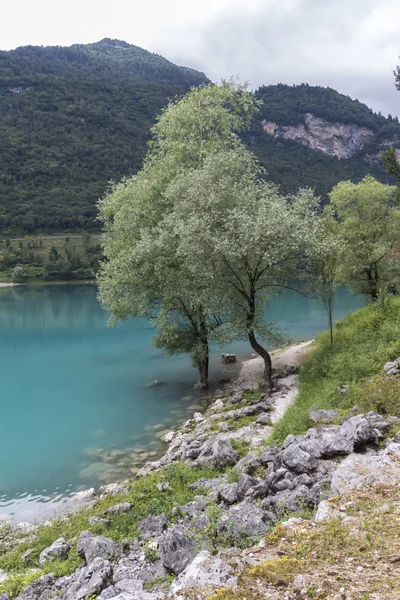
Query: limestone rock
{"type": "Point", "coordinates": [38, 589]}
{"type": "Point", "coordinates": [205, 570]}
{"type": "Point", "coordinates": [298, 460]}
{"type": "Point", "coordinates": [228, 493]}
{"type": "Point", "coordinates": [118, 509]}
{"type": "Point", "coordinates": [217, 453]}
{"type": "Point", "coordinates": [58, 550]}
{"type": "Point", "coordinates": [177, 550]}
{"type": "Point", "coordinates": [92, 546]}
{"type": "Point", "coordinates": [324, 416]}
{"type": "Point", "coordinates": [244, 518]}
{"type": "Point", "coordinates": [245, 483]}
{"type": "Point", "coordinates": [152, 526]}
{"type": "Point", "coordinates": [361, 470]}
{"type": "Point", "coordinates": [91, 579]}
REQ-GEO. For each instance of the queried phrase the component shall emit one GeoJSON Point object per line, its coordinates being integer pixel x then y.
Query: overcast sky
{"type": "Point", "coordinates": [350, 45]}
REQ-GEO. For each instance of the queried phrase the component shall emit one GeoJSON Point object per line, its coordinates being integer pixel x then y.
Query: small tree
{"type": "Point", "coordinates": [18, 275]}
{"type": "Point", "coordinates": [369, 228]}
{"type": "Point", "coordinates": [326, 259]}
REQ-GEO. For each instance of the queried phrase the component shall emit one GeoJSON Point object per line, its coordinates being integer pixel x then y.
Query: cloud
{"type": "Point", "coordinates": [351, 46]}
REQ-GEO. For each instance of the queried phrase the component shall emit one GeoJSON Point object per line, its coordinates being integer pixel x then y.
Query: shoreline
{"type": "Point", "coordinates": [248, 376]}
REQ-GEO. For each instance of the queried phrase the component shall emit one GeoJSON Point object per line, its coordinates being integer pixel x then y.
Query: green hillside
{"type": "Point", "coordinates": [71, 119]}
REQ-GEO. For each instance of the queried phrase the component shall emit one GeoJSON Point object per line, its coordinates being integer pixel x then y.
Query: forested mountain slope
{"type": "Point", "coordinates": [73, 118]}
{"type": "Point", "coordinates": [315, 136]}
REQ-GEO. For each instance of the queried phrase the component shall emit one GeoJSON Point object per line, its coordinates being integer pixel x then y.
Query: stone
{"type": "Point", "coordinates": [177, 549]}
{"type": "Point", "coordinates": [168, 437]}
{"type": "Point", "coordinates": [98, 521]}
{"type": "Point", "coordinates": [245, 518]}
{"type": "Point", "coordinates": [217, 406]}
{"type": "Point", "coordinates": [58, 550]}
{"type": "Point", "coordinates": [205, 570]}
{"type": "Point", "coordinates": [245, 483]}
{"type": "Point", "coordinates": [89, 580]}
{"type": "Point", "coordinates": [208, 484]}
{"type": "Point", "coordinates": [298, 460]}
{"type": "Point", "coordinates": [324, 416]}
{"type": "Point", "coordinates": [392, 366]}
{"type": "Point", "coordinates": [3, 576]}
{"type": "Point", "coordinates": [92, 546]}
{"type": "Point", "coordinates": [228, 493]}
{"type": "Point", "coordinates": [26, 527]}
{"type": "Point", "coordinates": [192, 509]}
{"type": "Point", "coordinates": [264, 420]}
{"type": "Point", "coordinates": [152, 526]}
{"type": "Point", "coordinates": [248, 464]}
{"type": "Point", "coordinates": [118, 509]}
{"type": "Point", "coordinates": [326, 511]}
{"type": "Point", "coordinates": [228, 358]}
{"type": "Point", "coordinates": [289, 500]}
{"type": "Point", "coordinates": [5, 597]}
{"type": "Point", "coordinates": [218, 453]}
{"type": "Point", "coordinates": [362, 470]}
{"type": "Point", "coordinates": [198, 417]}
{"type": "Point", "coordinates": [269, 456]}
{"type": "Point", "coordinates": [113, 489]}
{"type": "Point", "coordinates": [299, 581]}
{"type": "Point", "coordinates": [40, 588]}
{"type": "Point", "coordinates": [164, 486]}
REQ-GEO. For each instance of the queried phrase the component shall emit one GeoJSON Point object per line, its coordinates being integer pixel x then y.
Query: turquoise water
{"type": "Point", "coordinates": [78, 408]}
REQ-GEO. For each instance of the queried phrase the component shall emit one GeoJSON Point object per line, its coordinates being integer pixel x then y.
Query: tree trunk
{"type": "Point", "coordinates": [373, 284]}
{"type": "Point", "coordinates": [330, 315]}
{"type": "Point", "coordinates": [204, 356]}
{"type": "Point", "coordinates": [267, 362]}
{"type": "Point", "coordinates": [203, 373]}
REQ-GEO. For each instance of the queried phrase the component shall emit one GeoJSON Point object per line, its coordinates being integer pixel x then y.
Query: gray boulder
{"type": "Point", "coordinates": [205, 570]}
{"type": "Point", "coordinates": [228, 493]}
{"type": "Point", "coordinates": [177, 549]}
{"type": "Point", "coordinates": [264, 420]}
{"type": "Point", "coordinates": [362, 470]}
{"type": "Point", "coordinates": [118, 509]}
{"type": "Point", "coordinates": [245, 519]}
{"type": "Point", "coordinates": [248, 464]}
{"type": "Point", "coordinates": [38, 589]}
{"type": "Point", "coordinates": [269, 456]}
{"type": "Point", "coordinates": [298, 460]}
{"type": "Point", "coordinates": [58, 550]}
{"type": "Point", "coordinates": [324, 416]}
{"type": "Point", "coordinates": [92, 546]}
{"type": "Point", "coordinates": [5, 597]}
{"type": "Point", "coordinates": [98, 521]}
{"type": "Point", "coordinates": [291, 500]}
{"type": "Point", "coordinates": [92, 579]}
{"type": "Point", "coordinates": [218, 453]}
{"type": "Point", "coordinates": [245, 483]}
{"type": "Point", "coordinates": [392, 368]}
{"type": "Point", "coordinates": [152, 526]}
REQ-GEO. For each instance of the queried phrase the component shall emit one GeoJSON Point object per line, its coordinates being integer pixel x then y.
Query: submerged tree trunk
{"type": "Point", "coordinates": [203, 373]}
{"type": "Point", "coordinates": [204, 356]}
{"type": "Point", "coordinates": [267, 361]}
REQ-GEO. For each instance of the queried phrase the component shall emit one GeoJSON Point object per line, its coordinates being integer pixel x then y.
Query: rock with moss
{"type": "Point", "coordinates": [91, 546]}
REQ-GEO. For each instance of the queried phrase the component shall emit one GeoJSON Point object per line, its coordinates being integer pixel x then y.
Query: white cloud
{"type": "Point", "coordinates": [350, 45]}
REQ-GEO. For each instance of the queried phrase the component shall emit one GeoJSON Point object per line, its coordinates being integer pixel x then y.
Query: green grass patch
{"type": "Point", "coordinates": [146, 500]}
{"type": "Point", "coordinates": [241, 447]}
{"type": "Point", "coordinates": [363, 342]}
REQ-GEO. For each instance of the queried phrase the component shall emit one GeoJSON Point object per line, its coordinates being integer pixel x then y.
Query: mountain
{"type": "Point", "coordinates": [74, 118]}
{"type": "Point", "coordinates": [71, 119]}
{"type": "Point", "coordinates": [314, 136]}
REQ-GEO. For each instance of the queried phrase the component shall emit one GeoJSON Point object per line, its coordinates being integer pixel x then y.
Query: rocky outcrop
{"type": "Point", "coordinates": [336, 139]}
{"type": "Point", "coordinates": [58, 550]}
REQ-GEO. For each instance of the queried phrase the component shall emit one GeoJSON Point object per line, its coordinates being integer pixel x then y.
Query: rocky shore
{"type": "Point", "coordinates": [207, 543]}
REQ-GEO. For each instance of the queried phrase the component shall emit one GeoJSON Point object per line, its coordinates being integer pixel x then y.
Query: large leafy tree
{"type": "Point", "coordinates": [145, 272]}
{"type": "Point", "coordinates": [241, 235]}
{"type": "Point", "coordinates": [368, 218]}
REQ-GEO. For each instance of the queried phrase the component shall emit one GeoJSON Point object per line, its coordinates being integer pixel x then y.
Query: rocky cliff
{"type": "Point", "coordinates": [335, 139]}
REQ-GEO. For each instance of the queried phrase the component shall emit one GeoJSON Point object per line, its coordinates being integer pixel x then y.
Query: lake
{"type": "Point", "coordinates": [78, 406]}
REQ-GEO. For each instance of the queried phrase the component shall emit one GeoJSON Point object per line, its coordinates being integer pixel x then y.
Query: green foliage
{"type": "Point", "coordinates": [380, 394]}
{"type": "Point", "coordinates": [241, 447]}
{"type": "Point", "coordinates": [363, 342]}
{"type": "Point", "coordinates": [92, 107]}
{"type": "Point", "coordinates": [369, 228]}
{"type": "Point", "coordinates": [18, 275]}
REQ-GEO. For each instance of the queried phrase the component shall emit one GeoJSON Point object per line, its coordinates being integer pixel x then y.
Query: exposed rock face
{"type": "Point", "coordinates": [92, 546]}
{"type": "Point", "coordinates": [336, 139]}
{"type": "Point", "coordinates": [205, 571]}
{"type": "Point", "coordinates": [58, 550]}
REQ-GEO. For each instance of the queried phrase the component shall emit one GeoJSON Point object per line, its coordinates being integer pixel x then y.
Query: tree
{"type": "Point", "coordinates": [145, 273]}
{"type": "Point", "coordinates": [368, 221]}
{"type": "Point", "coordinates": [326, 260]}
{"type": "Point", "coordinates": [18, 275]}
{"type": "Point", "coordinates": [241, 236]}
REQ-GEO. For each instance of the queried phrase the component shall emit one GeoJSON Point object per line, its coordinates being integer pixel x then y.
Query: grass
{"type": "Point", "coordinates": [145, 499]}
{"type": "Point", "coordinates": [360, 555]}
{"type": "Point", "coordinates": [363, 342]}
